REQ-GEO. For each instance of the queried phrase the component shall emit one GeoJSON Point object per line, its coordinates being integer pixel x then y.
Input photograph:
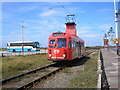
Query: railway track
{"type": "Point", "coordinates": [41, 73]}
{"type": "Point", "coordinates": [21, 75]}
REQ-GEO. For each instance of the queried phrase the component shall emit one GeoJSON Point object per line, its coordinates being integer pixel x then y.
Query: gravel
{"type": "Point", "coordinates": [62, 79]}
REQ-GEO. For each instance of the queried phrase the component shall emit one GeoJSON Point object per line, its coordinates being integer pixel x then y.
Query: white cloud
{"type": "Point", "coordinates": [91, 35]}
{"type": "Point", "coordinates": [27, 8]}
{"type": "Point", "coordinates": [48, 13]}
{"type": "Point", "coordinates": [87, 32]}
{"type": "Point", "coordinates": [103, 10]}
{"type": "Point", "coordinates": [82, 11]}
{"type": "Point", "coordinates": [84, 30]}
{"type": "Point", "coordinates": [105, 27]}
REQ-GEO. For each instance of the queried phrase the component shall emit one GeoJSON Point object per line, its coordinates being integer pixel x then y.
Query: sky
{"type": "Point", "coordinates": [40, 19]}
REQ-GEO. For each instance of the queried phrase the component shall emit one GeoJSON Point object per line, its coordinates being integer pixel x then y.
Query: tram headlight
{"type": "Point", "coordinates": [64, 55]}
{"type": "Point", "coordinates": [50, 55]}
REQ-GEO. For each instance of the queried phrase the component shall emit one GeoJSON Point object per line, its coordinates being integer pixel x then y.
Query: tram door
{"type": "Point", "coordinates": [78, 49]}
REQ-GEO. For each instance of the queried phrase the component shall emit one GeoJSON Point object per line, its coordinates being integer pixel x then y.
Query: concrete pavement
{"type": "Point", "coordinates": [111, 65]}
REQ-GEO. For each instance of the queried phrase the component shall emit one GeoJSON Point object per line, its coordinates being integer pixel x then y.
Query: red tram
{"type": "Point", "coordinates": [65, 46]}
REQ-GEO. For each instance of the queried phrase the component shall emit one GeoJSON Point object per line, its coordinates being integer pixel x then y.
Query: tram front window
{"type": "Point", "coordinates": [52, 41]}
{"type": "Point", "coordinates": [52, 44]}
{"type": "Point", "coordinates": [61, 43]}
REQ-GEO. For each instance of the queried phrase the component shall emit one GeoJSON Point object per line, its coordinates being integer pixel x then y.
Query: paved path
{"type": "Point", "coordinates": [112, 68]}
{"type": "Point", "coordinates": [114, 49]}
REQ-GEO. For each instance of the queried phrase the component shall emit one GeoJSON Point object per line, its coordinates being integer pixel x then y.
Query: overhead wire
{"type": "Point", "coordinates": [67, 12]}
{"type": "Point", "coordinates": [63, 7]}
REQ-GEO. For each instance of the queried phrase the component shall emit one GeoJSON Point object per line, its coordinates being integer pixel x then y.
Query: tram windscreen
{"type": "Point", "coordinates": [61, 43]}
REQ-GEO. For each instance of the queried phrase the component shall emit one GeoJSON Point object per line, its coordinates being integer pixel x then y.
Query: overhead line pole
{"type": "Point", "coordinates": [22, 36]}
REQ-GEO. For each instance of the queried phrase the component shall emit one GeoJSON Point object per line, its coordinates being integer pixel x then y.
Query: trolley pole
{"type": "Point", "coordinates": [22, 36]}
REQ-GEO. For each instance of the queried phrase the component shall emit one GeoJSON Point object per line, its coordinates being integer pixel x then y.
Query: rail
{"type": "Point", "coordinates": [38, 80]}
{"type": "Point", "coordinates": [32, 83]}
{"type": "Point", "coordinates": [21, 75]}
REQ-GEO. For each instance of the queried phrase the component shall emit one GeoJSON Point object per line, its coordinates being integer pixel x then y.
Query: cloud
{"type": "Point", "coordinates": [27, 8]}
{"type": "Point", "coordinates": [87, 32]}
{"type": "Point", "coordinates": [91, 35]}
{"type": "Point", "coordinates": [84, 30]}
{"type": "Point", "coordinates": [82, 11]}
{"type": "Point", "coordinates": [105, 26]}
{"type": "Point", "coordinates": [103, 10]}
{"type": "Point", "coordinates": [48, 13]}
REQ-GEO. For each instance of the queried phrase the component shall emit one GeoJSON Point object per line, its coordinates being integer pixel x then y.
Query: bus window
{"type": "Point", "coordinates": [52, 41]}
{"type": "Point", "coordinates": [61, 43]}
{"type": "Point", "coordinates": [38, 46]}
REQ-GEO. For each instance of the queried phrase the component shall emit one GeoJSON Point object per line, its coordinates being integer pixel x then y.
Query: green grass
{"type": "Point", "coordinates": [67, 71]}
{"type": "Point", "coordinates": [86, 78]}
{"type": "Point", "coordinates": [15, 65]}
{"type": "Point", "coordinates": [3, 49]}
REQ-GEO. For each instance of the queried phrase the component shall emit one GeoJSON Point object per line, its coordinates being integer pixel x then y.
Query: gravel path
{"type": "Point", "coordinates": [62, 79]}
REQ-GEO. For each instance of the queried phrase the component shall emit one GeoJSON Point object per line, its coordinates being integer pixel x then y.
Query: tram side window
{"type": "Point", "coordinates": [73, 44]}
{"type": "Point", "coordinates": [52, 41]}
{"type": "Point", "coordinates": [69, 44]}
{"type": "Point", "coordinates": [82, 45]}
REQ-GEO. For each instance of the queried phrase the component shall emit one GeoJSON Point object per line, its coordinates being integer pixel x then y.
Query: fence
{"type": "Point", "coordinates": [22, 53]}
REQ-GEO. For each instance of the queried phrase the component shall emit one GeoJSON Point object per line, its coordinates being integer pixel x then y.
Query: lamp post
{"type": "Point", "coordinates": [105, 39]}
{"type": "Point", "coordinates": [110, 35]}
{"type": "Point", "coordinates": [117, 24]}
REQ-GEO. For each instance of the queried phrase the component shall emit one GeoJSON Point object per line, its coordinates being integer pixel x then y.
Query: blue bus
{"type": "Point", "coordinates": [26, 46]}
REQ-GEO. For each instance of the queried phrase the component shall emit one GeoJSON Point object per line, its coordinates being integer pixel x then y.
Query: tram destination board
{"type": "Point", "coordinates": [57, 34]}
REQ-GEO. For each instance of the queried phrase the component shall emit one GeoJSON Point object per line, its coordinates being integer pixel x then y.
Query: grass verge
{"type": "Point", "coordinates": [3, 49]}
{"type": "Point", "coordinates": [15, 65]}
{"type": "Point", "coordinates": [86, 78]}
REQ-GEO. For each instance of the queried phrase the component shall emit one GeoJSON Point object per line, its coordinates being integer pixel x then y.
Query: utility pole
{"type": "Point", "coordinates": [117, 24]}
{"type": "Point", "coordinates": [22, 36]}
